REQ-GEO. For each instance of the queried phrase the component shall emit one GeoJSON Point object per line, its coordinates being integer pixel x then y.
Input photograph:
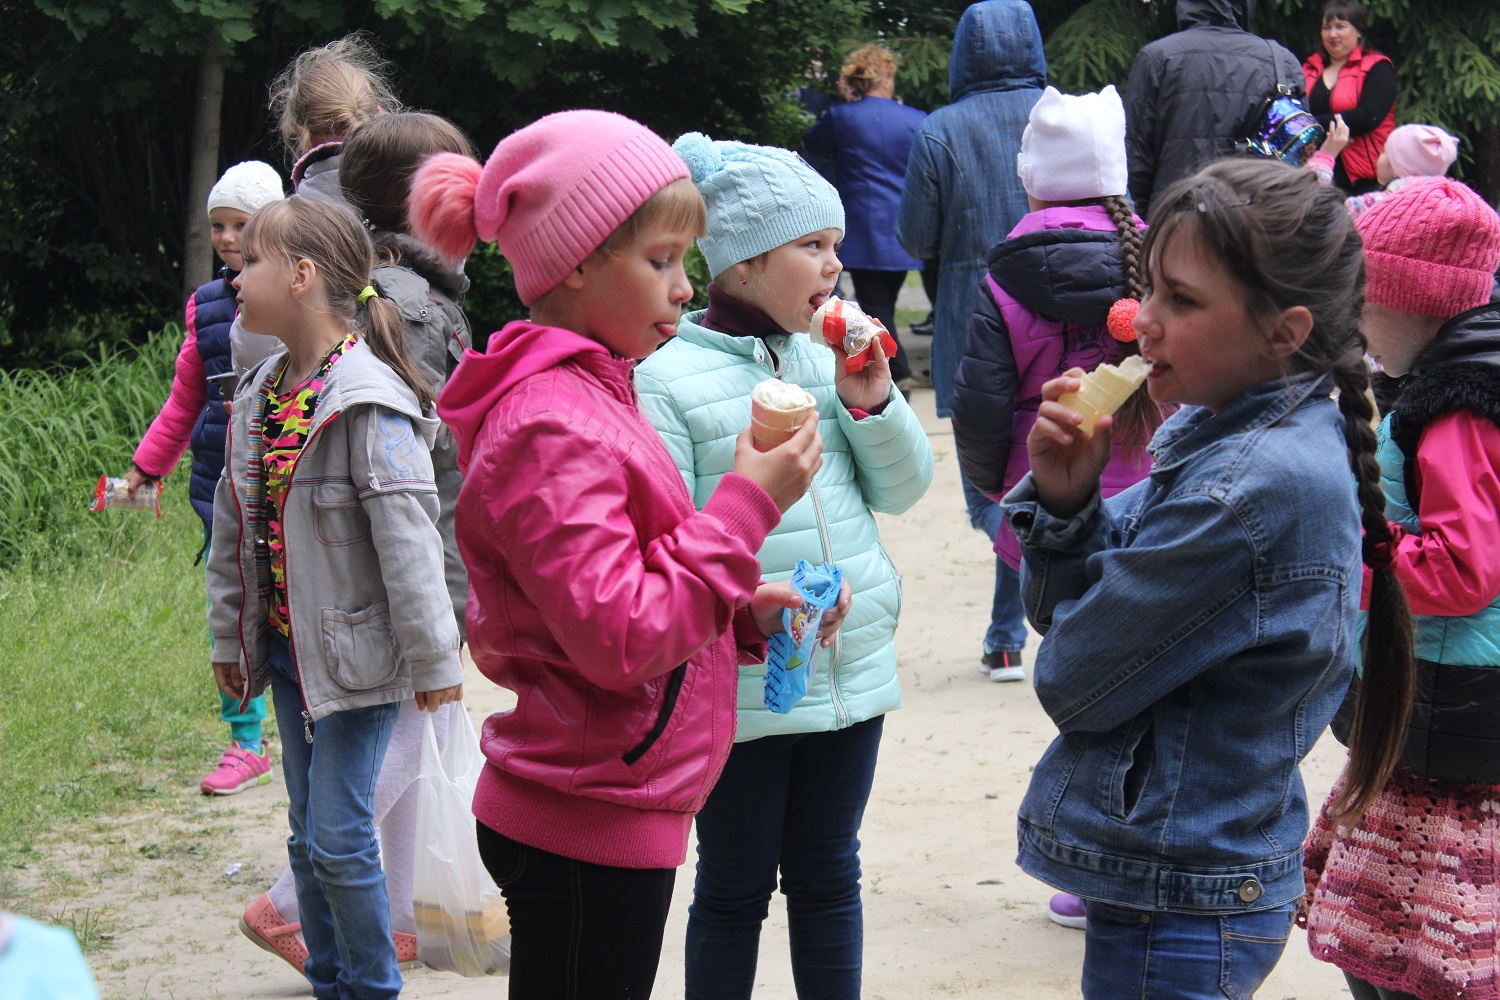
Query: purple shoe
{"type": "Point", "coordinates": [1066, 909]}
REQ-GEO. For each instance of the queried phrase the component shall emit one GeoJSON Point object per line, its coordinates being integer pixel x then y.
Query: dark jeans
{"type": "Point", "coordinates": [1007, 628]}
{"type": "Point", "coordinates": [876, 292]}
{"type": "Point", "coordinates": [579, 931]}
{"type": "Point", "coordinates": [1154, 955]}
{"type": "Point", "coordinates": [794, 802]}
{"type": "Point", "coordinates": [1368, 991]}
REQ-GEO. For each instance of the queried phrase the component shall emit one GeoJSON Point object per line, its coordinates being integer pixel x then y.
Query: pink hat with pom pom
{"type": "Point", "coordinates": [549, 194]}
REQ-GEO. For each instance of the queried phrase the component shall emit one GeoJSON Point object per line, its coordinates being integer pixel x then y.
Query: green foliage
{"type": "Point", "coordinates": [79, 422]}
{"type": "Point", "coordinates": [1097, 45]}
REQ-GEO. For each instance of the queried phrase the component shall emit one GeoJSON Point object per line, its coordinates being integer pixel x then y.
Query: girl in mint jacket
{"type": "Point", "coordinates": [794, 790]}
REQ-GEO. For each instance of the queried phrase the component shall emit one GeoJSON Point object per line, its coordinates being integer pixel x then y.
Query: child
{"type": "Point", "coordinates": [318, 99]}
{"type": "Point", "coordinates": [194, 415]}
{"type": "Point", "coordinates": [327, 574]}
{"type": "Point", "coordinates": [1043, 305]}
{"type": "Point", "coordinates": [1412, 153]}
{"type": "Point", "coordinates": [793, 792]}
{"type": "Point", "coordinates": [1404, 901]}
{"type": "Point", "coordinates": [598, 594]}
{"type": "Point", "coordinates": [1042, 310]}
{"type": "Point", "coordinates": [377, 163]}
{"type": "Point", "coordinates": [1200, 625]}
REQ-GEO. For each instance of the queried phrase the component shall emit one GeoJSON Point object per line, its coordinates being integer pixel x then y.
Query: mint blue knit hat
{"type": "Point", "coordinates": [758, 198]}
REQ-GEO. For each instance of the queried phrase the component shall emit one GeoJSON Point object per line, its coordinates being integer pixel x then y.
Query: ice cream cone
{"type": "Point", "coordinates": [773, 421]}
{"type": "Point", "coordinates": [1105, 389]}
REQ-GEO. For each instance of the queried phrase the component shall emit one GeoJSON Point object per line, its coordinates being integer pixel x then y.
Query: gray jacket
{"type": "Point", "coordinates": [371, 618]}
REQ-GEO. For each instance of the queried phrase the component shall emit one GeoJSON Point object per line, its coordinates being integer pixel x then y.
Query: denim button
{"type": "Point", "coordinates": [1250, 890]}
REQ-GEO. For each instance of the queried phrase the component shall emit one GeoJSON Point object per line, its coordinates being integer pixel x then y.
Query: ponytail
{"type": "Point", "coordinates": [380, 322]}
{"type": "Point", "coordinates": [1138, 419]}
{"type": "Point", "coordinates": [1382, 704]}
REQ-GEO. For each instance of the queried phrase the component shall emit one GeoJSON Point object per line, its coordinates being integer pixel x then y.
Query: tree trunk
{"type": "Point", "coordinates": [198, 253]}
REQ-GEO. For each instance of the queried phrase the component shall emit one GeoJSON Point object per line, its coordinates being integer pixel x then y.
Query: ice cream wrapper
{"type": "Point", "coordinates": [113, 493]}
{"type": "Point", "coordinates": [844, 323]}
{"type": "Point", "coordinates": [791, 652]}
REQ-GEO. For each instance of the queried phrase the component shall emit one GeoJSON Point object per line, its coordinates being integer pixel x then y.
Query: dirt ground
{"type": "Point", "coordinates": [947, 913]}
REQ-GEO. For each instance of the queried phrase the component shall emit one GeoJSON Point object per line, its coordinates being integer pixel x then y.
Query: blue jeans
{"type": "Point", "coordinates": [1007, 631]}
{"type": "Point", "coordinates": [794, 802]}
{"type": "Point", "coordinates": [341, 896]}
{"type": "Point", "coordinates": [1146, 954]}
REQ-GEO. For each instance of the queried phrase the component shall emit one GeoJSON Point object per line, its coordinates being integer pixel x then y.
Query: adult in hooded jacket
{"type": "Point", "coordinates": [1191, 93]}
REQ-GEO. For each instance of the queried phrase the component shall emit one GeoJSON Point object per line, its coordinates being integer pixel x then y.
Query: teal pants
{"type": "Point", "coordinates": [242, 725]}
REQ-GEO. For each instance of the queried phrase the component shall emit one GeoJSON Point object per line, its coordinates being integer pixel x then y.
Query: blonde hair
{"type": "Point", "coordinates": [337, 243]}
{"type": "Point", "coordinates": [329, 91]}
{"type": "Point", "coordinates": [678, 207]}
{"type": "Point", "coordinates": [867, 67]}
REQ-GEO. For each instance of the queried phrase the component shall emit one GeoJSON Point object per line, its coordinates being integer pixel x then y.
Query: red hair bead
{"type": "Point", "coordinates": [1122, 319]}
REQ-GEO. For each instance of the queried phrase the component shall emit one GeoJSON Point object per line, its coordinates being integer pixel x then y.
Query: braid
{"type": "Point", "coordinates": [1130, 244]}
{"type": "Point", "coordinates": [1383, 702]}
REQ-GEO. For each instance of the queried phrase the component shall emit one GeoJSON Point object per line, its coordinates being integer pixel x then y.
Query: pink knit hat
{"type": "Point", "coordinates": [1431, 249]}
{"type": "Point", "coordinates": [549, 194]}
{"type": "Point", "coordinates": [1420, 151]}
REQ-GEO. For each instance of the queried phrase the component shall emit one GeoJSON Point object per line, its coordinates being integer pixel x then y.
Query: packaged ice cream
{"type": "Point", "coordinates": [1105, 389]}
{"type": "Point", "coordinates": [841, 322]}
{"type": "Point", "coordinates": [113, 492]}
{"type": "Point", "coordinates": [777, 410]}
{"type": "Point", "coordinates": [789, 656]}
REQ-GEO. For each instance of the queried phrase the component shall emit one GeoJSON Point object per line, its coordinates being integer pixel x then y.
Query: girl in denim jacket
{"type": "Point", "coordinates": [326, 577]}
{"type": "Point", "coordinates": [1200, 626]}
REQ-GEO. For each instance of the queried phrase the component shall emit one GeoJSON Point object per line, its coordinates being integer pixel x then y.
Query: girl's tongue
{"type": "Point", "coordinates": [818, 300]}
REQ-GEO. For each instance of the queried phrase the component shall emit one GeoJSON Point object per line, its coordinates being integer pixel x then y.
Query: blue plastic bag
{"type": "Point", "coordinates": [791, 652]}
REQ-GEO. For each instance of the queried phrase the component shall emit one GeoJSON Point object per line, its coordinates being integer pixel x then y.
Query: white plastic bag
{"type": "Point", "coordinates": [462, 925]}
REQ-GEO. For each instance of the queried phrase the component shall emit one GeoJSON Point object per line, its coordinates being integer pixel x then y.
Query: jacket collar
{"type": "Point", "coordinates": [421, 258]}
{"type": "Point", "coordinates": [1194, 428]}
{"type": "Point", "coordinates": [760, 349]}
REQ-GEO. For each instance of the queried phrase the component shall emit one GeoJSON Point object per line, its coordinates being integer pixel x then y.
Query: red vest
{"type": "Point", "coordinates": [1360, 155]}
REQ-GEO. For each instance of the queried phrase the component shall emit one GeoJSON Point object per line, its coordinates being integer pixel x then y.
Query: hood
{"type": "Point", "coordinates": [516, 352]}
{"type": "Point", "coordinates": [1471, 337]}
{"type": "Point", "coordinates": [1215, 14]}
{"type": "Point", "coordinates": [1064, 264]}
{"type": "Point", "coordinates": [421, 258]}
{"type": "Point", "coordinates": [997, 47]}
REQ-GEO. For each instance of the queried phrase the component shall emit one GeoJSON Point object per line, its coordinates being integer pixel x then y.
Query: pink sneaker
{"type": "Point", "coordinates": [264, 925]}
{"type": "Point", "coordinates": [238, 769]}
{"type": "Point", "coordinates": [406, 949]}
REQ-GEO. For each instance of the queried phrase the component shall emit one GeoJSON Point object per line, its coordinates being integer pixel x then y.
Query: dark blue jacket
{"type": "Point", "coordinates": [962, 195]}
{"type": "Point", "coordinates": [214, 311]}
{"type": "Point", "coordinates": [869, 141]}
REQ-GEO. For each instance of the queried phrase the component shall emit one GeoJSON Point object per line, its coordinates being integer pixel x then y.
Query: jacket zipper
{"type": "Point", "coordinates": [841, 713]}
{"type": "Point", "coordinates": [669, 702]}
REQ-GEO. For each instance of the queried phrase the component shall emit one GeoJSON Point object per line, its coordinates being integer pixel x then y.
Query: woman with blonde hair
{"type": "Point", "coordinates": [869, 140]}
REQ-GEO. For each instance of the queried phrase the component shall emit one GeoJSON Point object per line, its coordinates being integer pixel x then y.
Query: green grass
{"type": "Point", "coordinates": [108, 702]}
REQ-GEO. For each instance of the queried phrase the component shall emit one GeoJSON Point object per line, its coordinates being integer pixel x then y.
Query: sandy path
{"type": "Point", "coordinates": [947, 912]}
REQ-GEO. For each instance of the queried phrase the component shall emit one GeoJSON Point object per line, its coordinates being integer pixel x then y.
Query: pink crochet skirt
{"type": "Point", "coordinates": [1408, 899]}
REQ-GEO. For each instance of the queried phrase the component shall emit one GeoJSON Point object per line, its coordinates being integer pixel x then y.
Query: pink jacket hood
{"type": "Point", "coordinates": [516, 352]}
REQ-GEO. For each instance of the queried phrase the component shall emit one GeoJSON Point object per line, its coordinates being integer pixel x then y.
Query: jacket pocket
{"type": "Point", "coordinates": [360, 647]}
{"type": "Point", "coordinates": [1134, 754]}
{"type": "Point", "coordinates": [338, 516]}
{"type": "Point", "coordinates": [663, 716]}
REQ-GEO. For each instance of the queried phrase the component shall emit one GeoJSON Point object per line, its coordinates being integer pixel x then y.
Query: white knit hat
{"type": "Point", "coordinates": [246, 186]}
{"type": "Point", "coordinates": [1074, 146]}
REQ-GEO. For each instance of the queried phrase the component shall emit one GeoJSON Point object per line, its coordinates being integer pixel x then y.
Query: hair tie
{"type": "Point", "coordinates": [1379, 556]}
{"type": "Point", "coordinates": [367, 293]}
{"type": "Point", "coordinates": [1121, 319]}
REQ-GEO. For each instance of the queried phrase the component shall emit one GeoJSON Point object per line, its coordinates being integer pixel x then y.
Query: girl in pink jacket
{"type": "Point", "coordinates": [616, 611]}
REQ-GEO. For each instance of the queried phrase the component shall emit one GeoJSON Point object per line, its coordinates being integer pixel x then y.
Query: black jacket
{"type": "Point", "coordinates": [1191, 93]}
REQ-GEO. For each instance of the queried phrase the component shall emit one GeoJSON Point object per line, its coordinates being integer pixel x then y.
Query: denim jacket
{"type": "Point", "coordinates": [1199, 637]}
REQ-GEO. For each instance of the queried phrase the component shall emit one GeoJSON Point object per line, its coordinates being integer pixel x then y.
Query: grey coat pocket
{"type": "Point", "coordinates": [360, 647]}
{"type": "Point", "coordinates": [338, 515]}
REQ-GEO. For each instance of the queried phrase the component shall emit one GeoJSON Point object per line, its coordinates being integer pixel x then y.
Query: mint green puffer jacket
{"type": "Point", "coordinates": [696, 390]}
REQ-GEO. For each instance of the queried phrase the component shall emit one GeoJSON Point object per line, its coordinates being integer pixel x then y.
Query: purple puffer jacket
{"type": "Point", "coordinates": [1040, 311]}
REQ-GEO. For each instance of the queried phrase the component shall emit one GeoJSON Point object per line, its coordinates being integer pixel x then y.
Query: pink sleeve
{"type": "Point", "coordinates": [747, 637]}
{"type": "Point", "coordinates": [171, 432]}
{"type": "Point", "coordinates": [1453, 567]}
{"type": "Point", "coordinates": [624, 609]}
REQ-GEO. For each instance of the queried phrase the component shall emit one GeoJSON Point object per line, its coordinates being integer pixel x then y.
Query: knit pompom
{"type": "Point", "coordinates": [440, 209]}
{"type": "Point", "coordinates": [699, 153]}
{"type": "Point", "coordinates": [1122, 319]}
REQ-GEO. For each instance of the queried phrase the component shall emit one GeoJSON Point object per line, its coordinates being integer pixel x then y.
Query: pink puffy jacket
{"type": "Point", "coordinates": [601, 597]}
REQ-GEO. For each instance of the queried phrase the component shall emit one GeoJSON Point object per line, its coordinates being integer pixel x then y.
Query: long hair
{"type": "Point", "coordinates": [378, 159]}
{"type": "Point", "coordinates": [1139, 418]}
{"type": "Point", "coordinates": [339, 246]}
{"type": "Point", "coordinates": [331, 90]}
{"type": "Point", "coordinates": [1288, 241]}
